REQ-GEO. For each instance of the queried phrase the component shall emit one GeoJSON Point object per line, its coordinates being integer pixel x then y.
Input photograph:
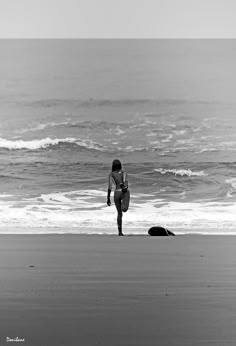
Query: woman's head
{"type": "Point", "coordinates": [116, 165]}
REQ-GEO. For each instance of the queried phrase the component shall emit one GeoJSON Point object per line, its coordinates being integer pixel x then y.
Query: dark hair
{"type": "Point", "coordinates": [116, 165]}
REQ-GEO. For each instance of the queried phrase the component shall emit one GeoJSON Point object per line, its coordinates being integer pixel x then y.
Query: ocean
{"type": "Point", "coordinates": [165, 108]}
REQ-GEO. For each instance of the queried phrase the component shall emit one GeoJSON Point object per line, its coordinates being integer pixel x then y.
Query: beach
{"type": "Point", "coordinates": [107, 290]}
{"type": "Point", "coordinates": [166, 109]}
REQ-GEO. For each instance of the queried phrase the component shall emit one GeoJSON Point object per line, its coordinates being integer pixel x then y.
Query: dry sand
{"type": "Point", "coordinates": [109, 291]}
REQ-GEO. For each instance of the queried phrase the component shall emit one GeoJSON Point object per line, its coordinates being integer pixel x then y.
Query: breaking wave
{"type": "Point", "coordinates": [47, 142]}
{"type": "Point", "coordinates": [181, 172]}
{"type": "Point", "coordinates": [85, 211]}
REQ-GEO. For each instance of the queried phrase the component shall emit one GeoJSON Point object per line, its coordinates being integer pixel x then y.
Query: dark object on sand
{"type": "Point", "coordinates": [159, 231]}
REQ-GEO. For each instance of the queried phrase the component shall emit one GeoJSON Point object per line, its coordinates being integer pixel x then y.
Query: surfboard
{"type": "Point", "coordinates": [125, 198]}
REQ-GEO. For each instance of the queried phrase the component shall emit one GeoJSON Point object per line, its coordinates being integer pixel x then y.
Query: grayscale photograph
{"type": "Point", "coordinates": [117, 174]}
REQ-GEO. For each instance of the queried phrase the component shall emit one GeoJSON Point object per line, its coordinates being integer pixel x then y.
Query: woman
{"type": "Point", "coordinates": [118, 177]}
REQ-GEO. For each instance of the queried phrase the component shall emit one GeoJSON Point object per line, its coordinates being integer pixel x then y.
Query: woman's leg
{"type": "Point", "coordinates": [119, 222]}
{"type": "Point", "coordinates": [117, 200]}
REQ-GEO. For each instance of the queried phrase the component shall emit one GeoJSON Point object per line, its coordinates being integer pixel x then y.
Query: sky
{"type": "Point", "coordinates": [117, 19]}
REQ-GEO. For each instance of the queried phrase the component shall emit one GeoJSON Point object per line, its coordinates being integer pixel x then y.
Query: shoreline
{"type": "Point", "coordinates": [101, 232]}
{"type": "Point", "coordinates": [115, 235]}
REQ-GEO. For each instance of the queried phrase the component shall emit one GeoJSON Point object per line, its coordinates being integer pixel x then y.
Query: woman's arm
{"type": "Point", "coordinates": [109, 189]}
{"type": "Point", "coordinates": [125, 179]}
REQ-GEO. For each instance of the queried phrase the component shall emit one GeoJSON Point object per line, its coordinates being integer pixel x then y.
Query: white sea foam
{"type": "Point", "coordinates": [119, 131]}
{"type": "Point", "coordinates": [181, 172]}
{"type": "Point", "coordinates": [154, 143]}
{"type": "Point", "coordinates": [82, 211]}
{"type": "Point", "coordinates": [167, 139]}
{"type": "Point", "coordinates": [151, 134]}
{"type": "Point", "coordinates": [206, 150]}
{"type": "Point", "coordinates": [31, 129]}
{"type": "Point", "coordinates": [47, 142]}
{"type": "Point", "coordinates": [226, 145]}
{"type": "Point", "coordinates": [81, 198]}
{"type": "Point", "coordinates": [179, 132]}
{"type": "Point", "coordinates": [42, 126]}
{"type": "Point", "coordinates": [130, 148]}
{"type": "Point", "coordinates": [232, 183]}
{"type": "Point", "coordinates": [34, 144]}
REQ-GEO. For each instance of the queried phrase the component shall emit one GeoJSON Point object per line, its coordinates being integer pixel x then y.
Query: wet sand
{"type": "Point", "coordinates": [108, 290]}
